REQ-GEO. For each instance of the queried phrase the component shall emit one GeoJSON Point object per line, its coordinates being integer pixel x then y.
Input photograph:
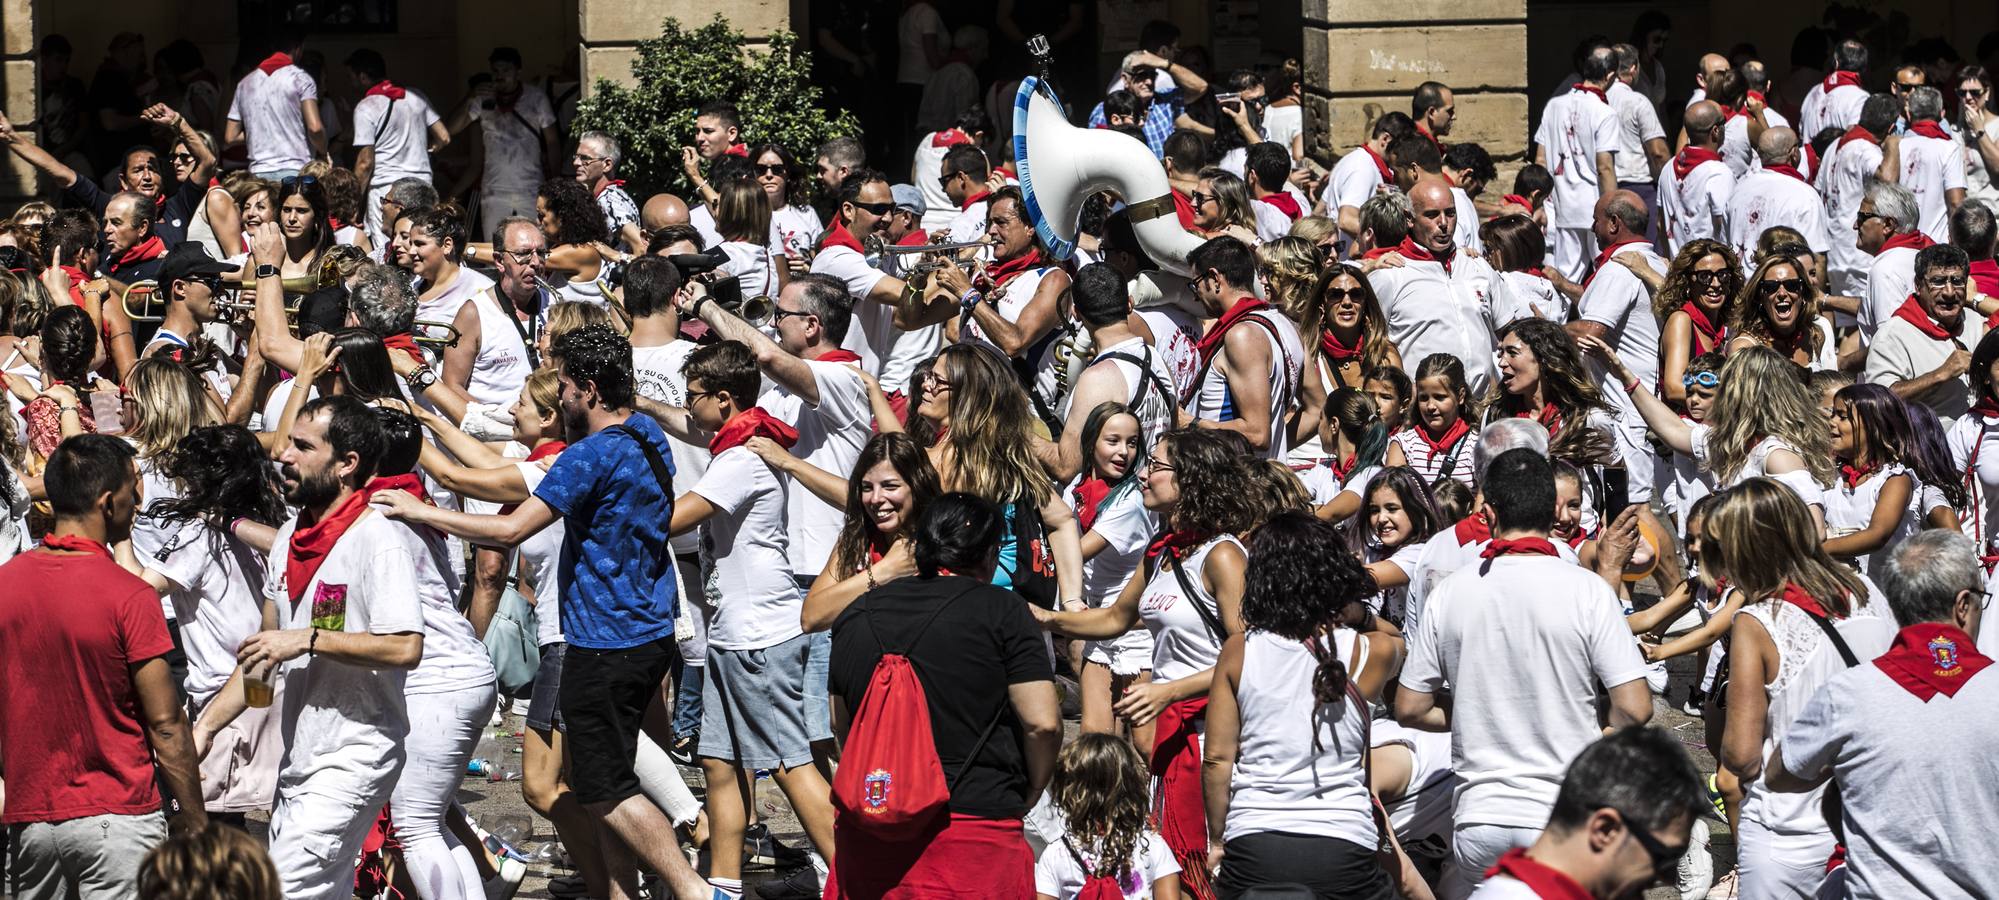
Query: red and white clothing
{"type": "Point", "coordinates": [268, 104]}
{"type": "Point", "coordinates": [1766, 198]}
{"type": "Point", "coordinates": [502, 364]}
{"type": "Point", "coordinates": [1272, 222]}
{"type": "Point", "coordinates": [1736, 149]}
{"type": "Point", "coordinates": [1615, 298]}
{"type": "Point", "coordinates": [1357, 176]}
{"type": "Point", "coordinates": [1974, 450]}
{"type": "Point", "coordinates": [1695, 190]}
{"type": "Point", "coordinates": [744, 548]}
{"type": "Point", "coordinates": [1932, 166]}
{"type": "Point", "coordinates": [1010, 300]}
{"type": "Point", "coordinates": [1849, 507]}
{"type": "Point", "coordinates": [830, 435]}
{"type": "Point", "coordinates": [1175, 329]}
{"type": "Point", "coordinates": [1444, 554]}
{"type": "Point", "coordinates": [1324, 482]}
{"type": "Point", "coordinates": [1832, 103]}
{"type": "Point", "coordinates": [889, 352]}
{"type": "Point", "coordinates": [1435, 457]}
{"type": "Point", "coordinates": [1575, 127]}
{"type": "Point", "coordinates": [938, 210]}
{"type": "Point", "coordinates": [1466, 236]}
{"type": "Point", "coordinates": [794, 231]}
{"type": "Point", "coordinates": [511, 134]}
{"type": "Point", "coordinates": [1842, 180]}
{"type": "Point", "coordinates": [1432, 309]}
{"type": "Point", "coordinates": [1902, 350]}
{"type": "Point", "coordinates": [1393, 603]}
{"type": "Point", "coordinates": [1519, 294]}
{"type": "Point", "coordinates": [1215, 401]}
{"type": "Point", "coordinates": [970, 222]}
{"type": "Point", "coordinates": [396, 122]}
{"type": "Point", "coordinates": [1121, 519]}
{"type": "Point", "coordinates": [1182, 642]}
{"type": "Point", "coordinates": [1147, 384]}
{"type": "Point", "coordinates": [1913, 828]}
{"type": "Point", "coordinates": [657, 377]}
{"type": "Point", "coordinates": [1890, 279]}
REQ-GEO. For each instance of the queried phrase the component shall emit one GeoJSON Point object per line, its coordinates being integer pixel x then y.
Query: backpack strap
{"type": "Point", "coordinates": [384, 127]}
{"type": "Point", "coordinates": [1832, 634]}
{"type": "Point", "coordinates": [1202, 375]}
{"type": "Point", "coordinates": [1208, 616]}
{"type": "Point", "coordinates": [1146, 379]}
{"type": "Point", "coordinates": [653, 458]}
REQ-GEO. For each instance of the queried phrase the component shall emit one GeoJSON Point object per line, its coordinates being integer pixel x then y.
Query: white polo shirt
{"type": "Point", "coordinates": [1525, 644]}
{"type": "Point", "coordinates": [1765, 199]}
{"type": "Point", "coordinates": [1842, 181]}
{"type": "Point", "coordinates": [1692, 202]}
{"type": "Point", "coordinates": [1637, 122]}
{"type": "Point", "coordinates": [273, 123]}
{"type": "Point", "coordinates": [1430, 311]}
{"type": "Point", "coordinates": [1931, 167]}
{"type": "Point", "coordinates": [1822, 109]}
{"type": "Point", "coordinates": [399, 132]}
{"type": "Point", "coordinates": [1575, 127]}
{"type": "Point", "coordinates": [1355, 178]}
{"type": "Point", "coordinates": [1891, 278]}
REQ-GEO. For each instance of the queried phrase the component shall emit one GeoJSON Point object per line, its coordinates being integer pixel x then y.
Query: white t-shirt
{"type": "Point", "coordinates": [1444, 554]}
{"type": "Point", "coordinates": [512, 138]}
{"type": "Point", "coordinates": [703, 220]}
{"type": "Point", "coordinates": [830, 435]}
{"type": "Point", "coordinates": [1466, 235]}
{"type": "Point", "coordinates": [1637, 122]}
{"type": "Point", "coordinates": [657, 371]}
{"type": "Point", "coordinates": [1735, 147]}
{"type": "Point", "coordinates": [1271, 222]}
{"type": "Point", "coordinates": [743, 554]}
{"type": "Point", "coordinates": [1851, 509]}
{"type": "Point", "coordinates": [754, 266]}
{"type": "Point", "coordinates": [1575, 127]}
{"type": "Point", "coordinates": [1322, 484]}
{"type": "Point", "coordinates": [402, 144]}
{"type": "Point", "coordinates": [1765, 199]}
{"type": "Point", "coordinates": [1691, 205]}
{"type": "Point", "coordinates": [1057, 874]}
{"type": "Point", "coordinates": [938, 210]}
{"type": "Point", "coordinates": [344, 724]}
{"type": "Point", "coordinates": [969, 224]}
{"type": "Point", "coordinates": [1930, 168]}
{"type": "Point", "coordinates": [541, 556]}
{"type": "Point", "coordinates": [218, 589]}
{"type": "Point", "coordinates": [1517, 295]}
{"type": "Point", "coordinates": [1355, 178]}
{"type": "Point", "coordinates": [273, 123]}
{"type": "Point", "coordinates": [1520, 717]}
{"type": "Point", "coordinates": [1899, 352]}
{"type": "Point", "coordinates": [453, 656]}
{"type": "Point", "coordinates": [1282, 123]}
{"type": "Point", "coordinates": [1842, 180]}
{"type": "Point", "coordinates": [889, 352]}
{"type": "Point", "coordinates": [1616, 299]}
{"type": "Point", "coordinates": [1891, 278]}
{"type": "Point", "coordinates": [794, 231]}
{"type": "Point", "coordinates": [1822, 109]}
{"type": "Point", "coordinates": [1393, 603]}
{"type": "Point", "coordinates": [1126, 527]}
{"type": "Point", "coordinates": [1504, 887]}
{"type": "Point", "coordinates": [1431, 310]}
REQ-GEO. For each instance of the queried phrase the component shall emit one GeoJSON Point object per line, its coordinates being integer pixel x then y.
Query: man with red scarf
{"type": "Point", "coordinates": [716, 134]}
{"type": "Point", "coordinates": [276, 109]}
{"type": "Point", "coordinates": [1517, 720]}
{"type": "Point", "coordinates": [963, 174]}
{"type": "Point", "coordinates": [1577, 143]}
{"type": "Point", "coordinates": [596, 159]}
{"type": "Point", "coordinates": [348, 629]}
{"type": "Point", "coordinates": [1915, 827]}
{"type": "Point", "coordinates": [1616, 308]}
{"type": "Point", "coordinates": [1433, 108]}
{"type": "Point", "coordinates": [1696, 187]}
{"type": "Point", "coordinates": [1363, 172]}
{"type": "Point", "coordinates": [1014, 303]}
{"type": "Point", "coordinates": [395, 132]}
{"type": "Point", "coordinates": [1836, 101]}
{"type": "Point", "coordinates": [1435, 300]}
{"type": "Point", "coordinates": [1923, 351]}
{"type": "Point", "coordinates": [1885, 228]}
{"type": "Point", "coordinates": [1250, 356]}
{"type": "Point", "coordinates": [1267, 170]}
{"type": "Point", "coordinates": [517, 130]}
{"type": "Point", "coordinates": [1776, 194]}
{"type": "Point", "coordinates": [132, 252]}
{"type": "Point", "coordinates": [1932, 163]}
{"type": "Point", "coordinates": [886, 333]}
{"type": "Point", "coordinates": [1620, 821]}
{"type": "Point", "coordinates": [928, 170]}
{"type": "Point", "coordinates": [1867, 151]}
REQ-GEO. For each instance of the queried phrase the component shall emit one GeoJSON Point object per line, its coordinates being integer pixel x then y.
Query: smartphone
{"type": "Point", "coordinates": [1616, 493]}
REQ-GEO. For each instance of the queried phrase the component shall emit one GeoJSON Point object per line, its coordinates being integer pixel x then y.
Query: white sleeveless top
{"type": "Point", "coordinates": [1300, 764]}
{"type": "Point", "coordinates": [1156, 409]}
{"type": "Point", "coordinates": [1800, 481]}
{"type": "Point", "coordinates": [1851, 509]}
{"type": "Point", "coordinates": [1182, 643]}
{"type": "Point", "coordinates": [199, 230]}
{"type": "Point", "coordinates": [1806, 660]}
{"type": "Point", "coordinates": [1213, 400]}
{"type": "Point", "coordinates": [502, 364]}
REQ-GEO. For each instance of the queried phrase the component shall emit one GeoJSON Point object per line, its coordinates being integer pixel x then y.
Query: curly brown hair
{"type": "Point", "coordinates": [1680, 289]}
{"type": "Point", "coordinates": [1103, 789]}
{"type": "Point", "coordinates": [1216, 493]}
{"type": "Point", "coordinates": [1564, 383]}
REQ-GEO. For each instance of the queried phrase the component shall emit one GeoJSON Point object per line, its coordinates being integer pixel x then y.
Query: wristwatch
{"type": "Point", "coordinates": [421, 379]}
{"type": "Point", "coordinates": [268, 271]}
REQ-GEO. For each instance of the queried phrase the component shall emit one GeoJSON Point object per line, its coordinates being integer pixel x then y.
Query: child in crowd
{"type": "Point", "coordinates": [1116, 528]}
{"type": "Point", "coordinates": [1702, 381]}
{"type": "Point", "coordinates": [1399, 518]}
{"type": "Point", "coordinates": [1355, 438]}
{"type": "Point", "coordinates": [1101, 787]}
{"type": "Point", "coordinates": [1437, 443]}
{"type": "Point", "coordinates": [1883, 485]}
{"type": "Point", "coordinates": [1392, 392]}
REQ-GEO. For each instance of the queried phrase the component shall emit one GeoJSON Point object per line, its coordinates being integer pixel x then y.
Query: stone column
{"type": "Point", "coordinates": [612, 29]}
{"type": "Point", "coordinates": [20, 95]}
{"type": "Point", "coordinates": [1359, 65]}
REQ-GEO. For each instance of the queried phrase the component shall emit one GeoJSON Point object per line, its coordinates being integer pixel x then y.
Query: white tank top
{"type": "Point", "coordinates": [1215, 402]}
{"type": "Point", "coordinates": [1284, 779]}
{"type": "Point", "coordinates": [502, 364]}
{"type": "Point", "coordinates": [1851, 509]}
{"type": "Point", "coordinates": [1182, 643]}
{"type": "Point", "coordinates": [1150, 385]}
{"type": "Point", "coordinates": [200, 231]}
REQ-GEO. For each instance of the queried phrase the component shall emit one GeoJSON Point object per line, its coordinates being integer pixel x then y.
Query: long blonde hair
{"type": "Point", "coordinates": [988, 436]}
{"type": "Point", "coordinates": [1760, 536]}
{"type": "Point", "coordinates": [1764, 395]}
{"type": "Point", "coordinates": [1290, 265]}
{"type": "Point", "coordinates": [168, 402]}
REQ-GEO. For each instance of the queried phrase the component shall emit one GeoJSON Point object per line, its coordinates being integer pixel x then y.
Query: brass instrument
{"type": "Point", "coordinates": [758, 310]}
{"type": "Point", "coordinates": [901, 250]}
{"type": "Point", "coordinates": [153, 299]}
{"type": "Point", "coordinates": [433, 334]}
{"type": "Point", "coordinates": [147, 292]}
{"type": "Point", "coordinates": [886, 254]}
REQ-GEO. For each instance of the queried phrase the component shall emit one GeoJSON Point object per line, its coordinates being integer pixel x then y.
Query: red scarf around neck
{"type": "Point", "coordinates": [1549, 417]}
{"type": "Point", "coordinates": [738, 149]}
{"type": "Point", "coordinates": [1426, 135]}
{"type": "Point", "coordinates": [916, 238]}
{"type": "Point", "coordinates": [1380, 164]}
{"type": "Point", "coordinates": [405, 342]}
{"type": "Point", "coordinates": [1857, 133]}
{"type": "Point", "coordinates": [1343, 467]}
{"type": "Point", "coordinates": [1985, 275]}
{"type": "Point", "coordinates": [1853, 475]}
{"type": "Point", "coordinates": [1787, 170]}
{"type": "Point", "coordinates": [949, 137]}
{"type": "Point", "coordinates": [76, 279]}
{"type": "Point", "coordinates": [838, 355]}
{"type": "Point", "coordinates": [1603, 259]}
{"type": "Point", "coordinates": [1176, 544]}
{"type": "Point", "coordinates": [148, 249]}
{"type": "Point", "coordinates": [1090, 494]}
{"type": "Point", "coordinates": [839, 236]}
{"type": "Point", "coordinates": [1439, 446]}
{"type": "Point", "coordinates": [547, 450]}
{"type": "Point", "coordinates": [1517, 200]}
{"type": "Point", "coordinates": [1914, 240]}
{"type": "Point", "coordinates": [1527, 546]}
{"type": "Point", "coordinates": [1546, 882]}
{"type": "Point", "coordinates": [274, 62]}
{"type": "Point", "coordinates": [75, 543]}
{"type": "Point", "coordinates": [1931, 658]}
{"type": "Point", "coordinates": [1594, 91]}
{"type": "Point", "coordinates": [1285, 203]}
{"type": "Point", "coordinates": [1419, 253]}
{"type": "Point", "coordinates": [1930, 129]}
{"type": "Point", "coordinates": [385, 88]}
{"type": "Point", "coordinates": [1471, 530]}
{"type": "Point", "coordinates": [1210, 344]}
{"type": "Point", "coordinates": [1690, 158]}
{"type": "Point", "coordinates": [1006, 270]}
{"type": "Point", "coordinates": [1911, 311]}
{"type": "Point", "coordinates": [608, 184]}
{"type": "Point", "coordinates": [1849, 79]}
{"type": "Point", "coordinates": [1703, 327]}
{"type": "Point", "coordinates": [752, 422]}
{"type": "Point", "coordinates": [1796, 596]}
{"type": "Point", "coordinates": [1339, 353]}
{"type": "Point", "coordinates": [979, 197]}
{"type": "Point", "coordinates": [310, 545]}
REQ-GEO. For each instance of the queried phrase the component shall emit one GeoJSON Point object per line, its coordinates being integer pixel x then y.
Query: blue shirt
{"type": "Point", "coordinates": [619, 588]}
{"type": "Point", "coordinates": [1159, 119]}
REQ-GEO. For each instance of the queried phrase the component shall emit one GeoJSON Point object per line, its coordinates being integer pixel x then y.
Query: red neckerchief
{"type": "Point", "coordinates": [274, 62]}
{"type": "Point", "coordinates": [950, 137]}
{"type": "Point", "coordinates": [1703, 327]}
{"type": "Point", "coordinates": [385, 88]}
{"type": "Point", "coordinates": [150, 248]}
{"type": "Point", "coordinates": [1850, 79]}
{"type": "Point", "coordinates": [1911, 312]}
{"type": "Point", "coordinates": [1452, 436]}
{"type": "Point", "coordinates": [1527, 546]}
{"type": "Point", "coordinates": [608, 184]}
{"type": "Point", "coordinates": [1692, 159]}
{"type": "Point", "coordinates": [1411, 250]}
{"type": "Point", "coordinates": [1853, 475]}
{"type": "Point", "coordinates": [838, 355]}
{"type": "Point", "coordinates": [1183, 208]}
{"type": "Point", "coordinates": [1985, 274]}
{"type": "Point", "coordinates": [1211, 343]}
{"type": "Point", "coordinates": [738, 149]}
{"type": "Point", "coordinates": [546, 450]}
{"type": "Point", "coordinates": [1987, 407]}
{"type": "Point", "coordinates": [1175, 759]}
{"type": "Point", "coordinates": [1090, 494]}
{"type": "Point", "coordinates": [1380, 164]}
{"type": "Point", "coordinates": [839, 236]}
{"type": "Point", "coordinates": [1856, 133]}
{"type": "Point", "coordinates": [1007, 172]}
{"type": "Point", "coordinates": [1796, 596]}
{"type": "Point", "coordinates": [1603, 259]}
{"type": "Point", "coordinates": [1729, 112]}
{"type": "Point", "coordinates": [1914, 240]}
{"type": "Point", "coordinates": [1340, 353]}
{"type": "Point", "coordinates": [311, 545]}
{"type": "Point", "coordinates": [1596, 91]}
{"type": "Point", "coordinates": [1006, 270]}
{"type": "Point", "coordinates": [1378, 252]}
{"type": "Point", "coordinates": [1931, 658]}
{"type": "Point", "coordinates": [752, 422]}
{"type": "Point", "coordinates": [405, 342]}
{"type": "Point", "coordinates": [1930, 129]}
{"type": "Point", "coordinates": [1519, 201]}
{"type": "Point", "coordinates": [76, 279]}
{"type": "Point", "coordinates": [335, 223]}
{"type": "Point", "coordinates": [1426, 135]}
{"type": "Point", "coordinates": [1787, 170]}
{"type": "Point", "coordinates": [1546, 882]}
{"type": "Point", "coordinates": [1285, 203]}
{"type": "Point", "coordinates": [1549, 417]}
{"type": "Point", "coordinates": [1175, 544]}
{"type": "Point", "coordinates": [1343, 467]}
{"type": "Point", "coordinates": [975, 198]}
{"type": "Point", "coordinates": [916, 238]}
{"type": "Point", "coordinates": [75, 543]}
{"type": "Point", "coordinates": [1471, 530]}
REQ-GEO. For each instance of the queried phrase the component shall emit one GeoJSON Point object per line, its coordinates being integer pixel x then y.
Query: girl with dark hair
{"type": "Point", "coordinates": [1110, 511]}
{"type": "Point", "coordinates": [1945, 497]}
{"type": "Point", "coordinates": [794, 227]}
{"type": "Point", "coordinates": [1694, 306]}
{"type": "Point", "coordinates": [1356, 439]}
{"type": "Point", "coordinates": [302, 215]}
{"type": "Point", "coordinates": [1541, 377]}
{"type": "Point", "coordinates": [1392, 392]}
{"type": "Point", "coordinates": [1880, 497]}
{"type": "Point", "coordinates": [994, 716]}
{"type": "Point", "coordinates": [60, 408]}
{"type": "Point", "coordinates": [1397, 521]}
{"type": "Point", "coordinates": [1515, 246]}
{"type": "Point", "coordinates": [1191, 584]}
{"type": "Point", "coordinates": [1288, 719]}
{"type": "Point", "coordinates": [574, 225]}
{"type": "Point", "coordinates": [1437, 443]}
{"type": "Point", "coordinates": [443, 286]}
{"type": "Point", "coordinates": [350, 362]}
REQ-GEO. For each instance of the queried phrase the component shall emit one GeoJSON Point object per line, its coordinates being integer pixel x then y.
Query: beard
{"type": "Point", "coordinates": [575, 424]}
{"type": "Point", "coordinates": [310, 491]}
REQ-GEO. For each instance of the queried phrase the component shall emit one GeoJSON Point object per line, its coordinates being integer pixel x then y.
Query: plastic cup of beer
{"type": "Point", "coordinates": [257, 687]}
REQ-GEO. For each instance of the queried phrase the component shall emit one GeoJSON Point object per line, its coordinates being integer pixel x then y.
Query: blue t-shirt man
{"type": "Point", "coordinates": [619, 588]}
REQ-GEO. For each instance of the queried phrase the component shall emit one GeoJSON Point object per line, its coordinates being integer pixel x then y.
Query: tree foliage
{"type": "Point", "coordinates": [680, 71]}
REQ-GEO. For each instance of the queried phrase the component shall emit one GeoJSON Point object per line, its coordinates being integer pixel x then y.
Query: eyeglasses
{"type": "Point", "coordinates": [213, 283]}
{"type": "Point", "coordinates": [1707, 380]}
{"type": "Point", "coordinates": [1939, 282]}
{"type": "Point", "coordinates": [302, 180]}
{"type": "Point", "coordinates": [1787, 285]}
{"type": "Point", "coordinates": [182, 157]}
{"type": "Point", "coordinates": [1664, 859]}
{"type": "Point", "coordinates": [691, 395]}
{"type": "Point", "coordinates": [1337, 296]}
{"type": "Point", "coordinates": [523, 257]}
{"type": "Point", "coordinates": [1199, 199]}
{"type": "Point", "coordinates": [1716, 276]}
{"type": "Point", "coordinates": [880, 209]}
{"type": "Point", "coordinates": [934, 382]}
{"type": "Point", "coordinates": [580, 158]}
{"type": "Point", "coordinates": [764, 169]}
{"type": "Point", "coordinates": [1984, 597]}
{"type": "Point", "coordinates": [779, 314]}
{"type": "Point", "coordinates": [1155, 464]}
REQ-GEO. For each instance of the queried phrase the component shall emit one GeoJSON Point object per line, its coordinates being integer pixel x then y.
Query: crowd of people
{"type": "Point", "coordinates": [1356, 540]}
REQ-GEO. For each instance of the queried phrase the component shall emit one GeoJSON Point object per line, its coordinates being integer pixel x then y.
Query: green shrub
{"type": "Point", "coordinates": [680, 71]}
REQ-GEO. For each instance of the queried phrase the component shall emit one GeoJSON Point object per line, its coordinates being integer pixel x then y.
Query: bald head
{"type": "Point", "coordinates": [1701, 120]}
{"type": "Point", "coordinates": [1777, 147]}
{"type": "Point", "coordinates": [1711, 64]}
{"type": "Point", "coordinates": [1619, 214]}
{"type": "Point", "coordinates": [662, 210]}
{"type": "Point", "coordinates": [1436, 215]}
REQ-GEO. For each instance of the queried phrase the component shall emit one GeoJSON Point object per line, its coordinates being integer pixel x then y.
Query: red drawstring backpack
{"type": "Point", "coordinates": [890, 783]}
{"type": "Point", "coordinates": [1095, 887]}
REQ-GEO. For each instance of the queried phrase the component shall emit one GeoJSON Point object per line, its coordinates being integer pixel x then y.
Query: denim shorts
{"type": "Point", "coordinates": [753, 705]}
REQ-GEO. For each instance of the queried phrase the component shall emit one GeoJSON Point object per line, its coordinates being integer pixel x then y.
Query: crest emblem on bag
{"type": "Point", "coordinates": [878, 783]}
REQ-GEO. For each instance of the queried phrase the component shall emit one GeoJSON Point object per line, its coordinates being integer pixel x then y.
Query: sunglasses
{"type": "Point", "coordinates": [1199, 199]}
{"type": "Point", "coordinates": [944, 180]}
{"type": "Point", "coordinates": [1705, 379]}
{"type": "Point", "coordinates": [1715, 277]}
{"type": "Point", "coordinates": [1665, 860]}
{"type": "Point", "coordinates": [1143, 73]}
{"type": "Point", "coordinates": [1860, 221]}
{"type": "Point", "coordinates": [880, 209]}
{"type": "Point", "coordinates": [182, 157]}
{"type": "Point", "coordinates": [1337, 296]}
{"type": "Point", "coordinates": [1787, 285]}
{"type": "Point", "coordinates": [304, 180]}
{"type": "Point", "coordinates": [765, 169]}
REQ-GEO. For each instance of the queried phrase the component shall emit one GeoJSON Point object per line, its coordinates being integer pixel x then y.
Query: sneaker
{"type": "Point", "coordinates": [507, 881]}
{"type": "Point", "coordinates": [566, 886]}
{"type": "Point", "coordinates": [1696, 872]}
{"type": "Point", "coordinates": [1714, 797]}
{"type": "Point", "coordinates": [1696, 701]}
{"type": "Point", "coordinates": [801, 883]}
{"type": "Point", "coordinates": [760, 848]}
{"type": "Point", "coordinates": [683, 747]}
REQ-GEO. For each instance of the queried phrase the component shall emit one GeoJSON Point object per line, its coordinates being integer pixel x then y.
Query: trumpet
{"type": "Point", "coordinates": [903, 250]}
{"type": "Point", "coordinates": [756, 310]}
{"type": "Point", "coordinates": [434, 334]}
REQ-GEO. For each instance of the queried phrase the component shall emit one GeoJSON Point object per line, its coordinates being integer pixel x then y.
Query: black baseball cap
{"type": "Point", "coordinates": [187, 260]}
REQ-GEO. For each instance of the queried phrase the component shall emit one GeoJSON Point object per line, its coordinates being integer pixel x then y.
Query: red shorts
{"type": "Point", "coordinates": [966, 858]}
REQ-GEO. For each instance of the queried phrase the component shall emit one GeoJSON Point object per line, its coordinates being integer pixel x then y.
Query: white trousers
{"type": "Point", "coordinates": [444, 731]}
{"type": "Point", "coordinates": [1476, 848]}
